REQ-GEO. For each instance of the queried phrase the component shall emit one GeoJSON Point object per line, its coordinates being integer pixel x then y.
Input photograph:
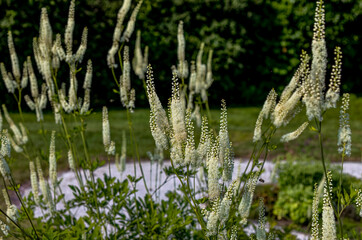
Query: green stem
{"type": "Point", "coordinates": [319, 128]}
{"type": "Point", "coordinates": [12, 182]}
{"type": "Point", "coordinates": [198, 215]}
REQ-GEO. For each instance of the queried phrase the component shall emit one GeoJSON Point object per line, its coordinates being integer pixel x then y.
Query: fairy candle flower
{"type": "Point", "coordinates": [344, 132]}
{"type": "Point", "coordinates": [328, 221]}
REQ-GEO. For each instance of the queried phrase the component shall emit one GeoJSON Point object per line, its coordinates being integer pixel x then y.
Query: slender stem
{"type": "Point", "coordinates": [16, 224]}
{"type": "Point", "coordinates": [319, 128]}
{"type": "Point", "coordinates": [12, 182]}
{"type": "Point", "coordinates": [200, 219]}
{"type": "Point", "coordinates": [133, 140]}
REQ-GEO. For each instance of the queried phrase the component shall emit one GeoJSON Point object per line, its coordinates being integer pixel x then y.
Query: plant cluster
{"type": "Point", "coordinates": [211, 202]}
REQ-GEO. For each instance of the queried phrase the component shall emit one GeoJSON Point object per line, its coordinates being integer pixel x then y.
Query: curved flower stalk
{"type": "Point", "coordinates": [39, 101]}
{"type": "Point", "coordinates": [117, 39]}
{"type": "Point", "coordinates": [109, 146]}
{"type": "Point", "coordinates": [128, 95]}
{"type": "Point", "coordinates": [159, 123]}
{"type": "Point", "coordinates": [182, 66]}
{"type": "Point", "coordinates": [15, 79]}
{"type": "Point", "coordinates": [140, 61]}
{"type": "Point", "coordinates": [20, 135]}
{"type": "Point", "coordinates": [52, 161]}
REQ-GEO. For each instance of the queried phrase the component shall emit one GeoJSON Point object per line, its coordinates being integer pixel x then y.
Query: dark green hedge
{"type": "Point", "coordinates": [256, 43]}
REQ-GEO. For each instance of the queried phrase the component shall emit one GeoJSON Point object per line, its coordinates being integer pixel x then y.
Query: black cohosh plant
{"type": "Point", "coordinates": [211, 202]}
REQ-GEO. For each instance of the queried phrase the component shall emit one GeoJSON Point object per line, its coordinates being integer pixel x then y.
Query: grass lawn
{"type": "Point", "coordinates": [241, 122]}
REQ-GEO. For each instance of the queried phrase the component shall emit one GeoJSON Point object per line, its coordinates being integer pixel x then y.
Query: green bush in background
{"type": "Point", "coordinates": [256, 43]}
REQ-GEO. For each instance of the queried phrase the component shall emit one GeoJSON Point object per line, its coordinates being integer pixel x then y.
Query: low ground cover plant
{"type": "Point", "coordinates": [211, 202]}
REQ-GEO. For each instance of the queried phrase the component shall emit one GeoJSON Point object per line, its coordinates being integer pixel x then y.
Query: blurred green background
{"type": "Point", "coordinates": [256, 43]}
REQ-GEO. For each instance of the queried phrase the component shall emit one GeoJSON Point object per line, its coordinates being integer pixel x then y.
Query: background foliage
{"type": "Point", "coordinates": [256, 42]}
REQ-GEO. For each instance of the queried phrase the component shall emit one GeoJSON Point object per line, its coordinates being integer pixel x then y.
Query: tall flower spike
{"type": "Point", "coordinates": [42, 183]}
{"type": "Point", "coordinates": [226, 203]}
{"type": "Point", "coordinates": [200, 70]}
{"type": "Point", "coordinates": [34, 182]}
{"type": "Point", "coordinates": [204, 144]}
{"type": "Point", "coordinates": [328, 221]}
{"type": "Point", "coordinates": [269, 104]}
{"type": "Point", "coordinates": [294, 135]}
{"type": "Point", "coordinates": [88, 76]}
{"type": "Point", "coordinates": [5, 144]}
{"type": "Point", "coordinates": [8, 83]}
{"type": "Point", "coordinates": [105, 129]}
{"type": "Point", "coordinates": [125, 84]}
{"type": "Point", "coordinates": [82, 47]}
{"type": "Point", "coordinates": [52, 161]}
{"type": "Point", "coordinates": [192, 83]}
{"type": "Point", "coordinates": [33, 82]}
{"type": "Point", "coordinates": [71, 160]}
{"type": "Point", "coordinates": [120, 18]}
{"type": "Point", "coordinates": [315, 215]}
{"type": "Point", "coordinates": [17, 134]}
{"type": "Point", "coordinates": [213, 172]}
{"type": "Point", "coordinates": [209, 78]}
{"type": "Point", "coordinates": [224, 142]}
{"type": "Point", "coordinates": [182, 67]}
{"type": "Point", "coordinates": [212, 220]}
{"type": "Point", "coordinates": [344, 132]}
{"type": "Point", "coordinates": [137, 62]}
{"type": "Point", "coordinates": [332, 94]}
{"type": "Point", "coordinates": [359, 201]}
{"type": "Point", "coordinates": [177, 112]}
{"type": "Point", "coordinates": [181, 43]}
{"type": "Point", "coordinates": [131, 23]}
{"type": "Point", "coordinates": [68, 36]}
{"type": "Point", "coordinates": [260, 231]}
{"type": "Point", "coordinates": [228, 164]}
{"type": "Point", "coordinates": [247, 198]}
{"type": "Point", "coordinates": [297, 77]}
{"type": "Point", "coordinates": [190, 152]}
{"type": "Point", "coordinates": [158, 118]}
{"type": "Point", "coordinates": [86, 102]}
{"type": "Point", "coordinates": [13, 57]}
{"type": "Point", "coordinates": [45, 31]}
{"type": "Point", "coordinates": [4, 168]}
{"type": "Point", "coordinates": [24, 77]}
{"type": "Point", "coordinates": [123, 152]}
{"type": "Point", "coordinates": [319, 62]}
